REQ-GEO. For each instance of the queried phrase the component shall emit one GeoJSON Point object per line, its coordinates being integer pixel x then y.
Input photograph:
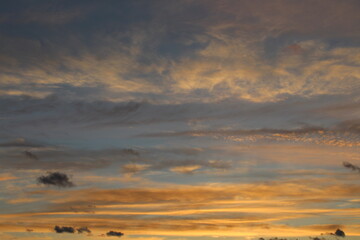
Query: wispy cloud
{"type": "Point", "coordinates": [20, 142]}
{"type": "Point", "coordinates": [351, 166]}
{"type": "Point", "coordinates": [339, 135]}
{"type": "Point", "coordinates": [83, 230]}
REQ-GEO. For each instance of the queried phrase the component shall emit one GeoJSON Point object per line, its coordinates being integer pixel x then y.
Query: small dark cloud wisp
{"type": "Point", "coordinates": [351, 166]}
{"type": "Point", "coordinates": [64, 229]}
{"type": "Point", "coordinates": [83, 230]}
{"type": "Point", "coordinates": [30, 155]}
{"type": "Point", "coordinates": [114, 234]}
{"type": "Point", "coordinates": [56, 179]}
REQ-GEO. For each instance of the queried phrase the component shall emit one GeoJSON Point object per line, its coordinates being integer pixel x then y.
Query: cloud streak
{"type": "Point", "coordinates": [338, 135]}
{"type": "Point", "coordinates": [351, 166]}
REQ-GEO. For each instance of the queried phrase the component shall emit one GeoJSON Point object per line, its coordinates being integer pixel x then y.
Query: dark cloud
{"type": "Point", "coordinates": [49, 110]}
{"type": "Point", "coordinates": [83, 230]}
{"type": "Point", "coordinates": [351, 166]}
{"type": "Point", "coordinates": [61, 158]}
{"type": "Point", "coordinates": [54, 108]}
{"type": "Point", "coordinates": [275, 238]}
{"type": "Point", "coordinates": [131, 151]}
{"type": "Point", "coordinates": [30, 155]}
{"type": "Point", "coordinates": [56, 179]}
{"type": "Point", "coordinates": [64, 229]}
{"type": "Point", "coordinates": [350, 126]}
{"type": "Point", "coordinates": [339, 233]}
{"type": "Point", "coordinates": [114, 234]}
{"type": "Point", "coordinates": [234, 132]}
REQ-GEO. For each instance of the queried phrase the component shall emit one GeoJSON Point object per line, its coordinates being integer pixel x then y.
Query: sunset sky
{"type": "Point", "coordinates": [179, 119]}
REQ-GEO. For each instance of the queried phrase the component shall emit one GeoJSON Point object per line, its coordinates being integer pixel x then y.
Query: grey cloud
{"type": "Point", "coordinates": [53, 105]}
{"type": "Point", "coordinates": [130, 151]}
{"type": "Point", "coordinates": [60, 158]}
{"type": "Point", "coordinates": [83, 230]}
{"type": "Point", "coordinates": [352, 126]}
{"type": "Point", "coordinates": [56, 179]}
{"type": "Point", "coordinates": [30, 112]}
{"type": "Point", "coordinates": [332, 135]}
{"type": "Point", "coordinates": [30, 155]}
{"type": "Point", "coordinates": [64, 229]}
{"type": "Point", "coordinates": [114, 234]}
{"type": "Point", "coordinates": [351, 166]}
{"type": "Point", "coordinates": [20, 142]}
{"type": "Point", "coordinates": [305, 130]}
{"type": "Point", "coordinates": [82, 164]}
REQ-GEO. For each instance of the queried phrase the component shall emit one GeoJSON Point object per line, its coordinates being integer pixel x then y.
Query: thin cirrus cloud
{"type": "Point", "coordinates": [343, 134]}
{"type": "Point", "coordinates": [221, 62]}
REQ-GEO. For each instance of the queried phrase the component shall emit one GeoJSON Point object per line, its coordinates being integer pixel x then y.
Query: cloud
{"type": "Point", "coordinates": [61, 158]}
{"type": "Point", "coordinates": [56, 179]}
{"type": "Point", "coordinates": [6, 177]}
{"type": "Point", "coordinates": [185, 169]}
{"type": "Point", "coordinates": [293, 189]}
{"type": "Point", "coordinates": [224, 52]}
{"type": "Point", "coordinates": [114, 234]}
{"type": "Point", "coordinates": [133, 168]}
{"type": "Point", "coordinates": [275, 238]}
{"type": "Point", "coordinates": [351, 166]}
{"type": "Point", "coordinates": [64, 229]}
{"type": "Point", "coordinates": [30, 155]}
{"type": "Point", "coordinates": [20, 142]}
{"type": "Point", "coordinates": [130, 151]}
{"type": "Point", "coordinates": [339, 233]}
{"type": "Point", "coordinates": [336, 135]}
{"type": "Point", "coordinates": [83, 230]}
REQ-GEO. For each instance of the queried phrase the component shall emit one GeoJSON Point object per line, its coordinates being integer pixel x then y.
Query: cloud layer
{"type": "Point", "coordinates": [179, 120]}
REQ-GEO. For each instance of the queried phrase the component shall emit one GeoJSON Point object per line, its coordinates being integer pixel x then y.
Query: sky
{"type": "Point", "coordinates": [180, 119]}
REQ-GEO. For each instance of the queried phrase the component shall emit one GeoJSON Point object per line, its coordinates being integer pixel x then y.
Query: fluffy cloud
{"type": "Point", "coordinates": [55, 179]}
